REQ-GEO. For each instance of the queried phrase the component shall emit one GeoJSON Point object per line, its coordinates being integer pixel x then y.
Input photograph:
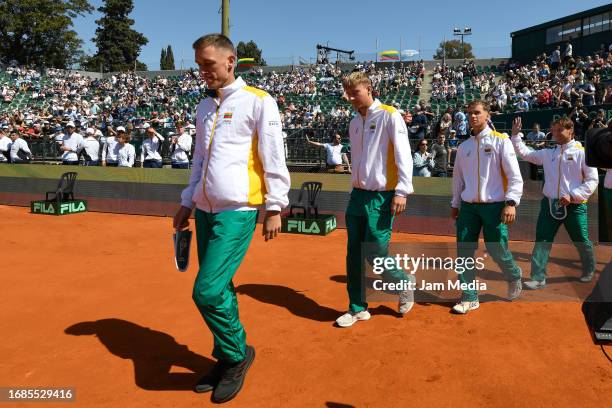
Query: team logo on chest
{"type": "Point", "coordinates": [372, 125]}
{"type": "Point", "coordinates": [227, 117]}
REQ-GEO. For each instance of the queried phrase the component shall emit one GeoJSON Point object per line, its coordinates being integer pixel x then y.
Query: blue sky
{"type": "Point", "coordinates": [287, 29]}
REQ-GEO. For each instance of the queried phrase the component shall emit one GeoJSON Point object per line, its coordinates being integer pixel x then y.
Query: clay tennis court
{"type": "Point", "coordinates": [93, 301]}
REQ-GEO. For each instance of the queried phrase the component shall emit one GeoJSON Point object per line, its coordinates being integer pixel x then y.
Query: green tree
{"type": "Point", "coordinates": [250, 50]}
{"type": "Point", "coordinates": [118, 44]}
{"type": "Point", "coordinates": [170, 58]}
{"type": "Point", "coordinates": [40, 32]}
{"type": "Point", "coordinates": [453, 50]}
{"type": "Point", "coordinates": [162, 59]}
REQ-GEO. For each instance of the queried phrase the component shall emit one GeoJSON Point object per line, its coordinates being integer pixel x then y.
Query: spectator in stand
{"type": "Point", "coordinates": [419, 122]}
{"type": "Point", "coordinates": [111, 147]}
{"type": "Point", "coordinates": [20, 152]}
{"type": "Point", "coordinates": [544, 96]}
{"type": "Point", "coordinates": [5, 147]}
{"type": "Point", "coordinates": [522, 105]}
{"type": "Point", "coordinates": [555, 58]}
{"type": "Point", "coordinates": [90, 148]}
{"type": "Point", "coordinates": [600, 119]}
{"type": "Point", "coordinates": [581, 120]}
{"type": "Point", "coordinates": [588, 93]}
{"type": "Point", "coordinates": [180, 148]}
{"type": "Point", "coordinates": [441, 155]}
{"type": "Point", "coordinates": [125, 151]}
{"type": "Point", "coordinates": [536, 135]}
{"type": "Point", "coordinates": [567, 54]}
{"type": "Point", "coordinates": [70, 144]}
{"type": "Point", "coordinates": [445, 124]}
{"type": "Point", "coordinates": [422, 160]}
{"type": "Point", "coordinates": [460, 125]}
{"type": "Point", "coordinates": [607, 96]}
{"type": "Point", "coordinates": [453, 144]}
{"type": "Point", "coordinates": [150, 156]}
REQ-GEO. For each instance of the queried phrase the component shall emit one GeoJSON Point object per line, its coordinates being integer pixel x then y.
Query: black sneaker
{"type": "Point", "coordinates": [209, 381]}
{"type": "Point", "coordinates": [233, 377]}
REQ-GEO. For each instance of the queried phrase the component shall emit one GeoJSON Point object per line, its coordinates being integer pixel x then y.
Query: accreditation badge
{"type": "Point", "coordinates": [557, 211]}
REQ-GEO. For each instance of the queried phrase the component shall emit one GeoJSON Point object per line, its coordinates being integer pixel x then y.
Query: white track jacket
{"type": "Point", "coordinates": [239, 158]}
{"type": "Point", "coordinates": [565, 169]}
{"type": "Point", "coordinates": [380, 151]}
{"type": "Point", "coordinates": [486, 170]}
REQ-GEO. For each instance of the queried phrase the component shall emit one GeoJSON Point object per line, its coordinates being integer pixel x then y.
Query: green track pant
{"type": "Point", "coordinates": [486, 216]}
{"type": "Point", "coordinates": [223, 239]}
{"type": "Point", "coordinates": [577, 227]}
{"type": "Point", "coordinates": [368, 220]}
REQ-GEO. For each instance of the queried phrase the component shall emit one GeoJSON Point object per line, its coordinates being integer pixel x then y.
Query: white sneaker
{"type": "Point", "coordinates": [406, 301]}
{"type": "Point", "coordinates": [464, 307]}
{"type": "Point", "coordinates": [535, 284]}
{"type": "Point", "coordinates": [349, 318]}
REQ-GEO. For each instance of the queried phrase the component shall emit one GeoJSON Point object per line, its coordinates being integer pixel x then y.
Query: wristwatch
{"type": "Point", "coordinates": [511, 203]}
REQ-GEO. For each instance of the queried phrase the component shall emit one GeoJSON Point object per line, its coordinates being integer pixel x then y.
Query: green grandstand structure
{"type": "Point", "coordinates": [586, 31]}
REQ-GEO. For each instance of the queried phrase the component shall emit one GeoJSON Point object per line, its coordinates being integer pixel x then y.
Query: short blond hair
{"type": "Point", "coordinates": [216, 40]}
{"type": "Point", "coordinates": [356, 78]}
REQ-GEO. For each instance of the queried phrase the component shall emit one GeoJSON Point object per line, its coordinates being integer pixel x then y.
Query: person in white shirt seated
{"type": "Point", "coordinates": [150, 156]}
{"type": "Point", "coordinates": [125, 151]}
{"type": "Point", "coordinates": [536, 136]}
{"type": "Point", "coordinates": [335, 155]}
{"type": "Point", "coordinates": [20, 152]}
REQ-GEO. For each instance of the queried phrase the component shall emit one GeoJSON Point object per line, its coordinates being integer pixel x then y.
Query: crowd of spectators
{"type": "Point", "coordinates": [325, 80]}
{"type": "Point", "coordinates": [559, 80]}
{"type": "Point", "coordinates": [308, 97]}
{"type": "Point", "coordinates": [448, 83]}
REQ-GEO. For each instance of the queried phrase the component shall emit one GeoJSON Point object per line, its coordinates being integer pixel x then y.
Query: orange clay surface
{"type": "Point", "coordinates": [93, 301]}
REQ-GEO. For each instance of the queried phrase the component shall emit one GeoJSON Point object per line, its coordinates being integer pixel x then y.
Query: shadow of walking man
{"type": "Point", "coordinates": [152, 352]}
{"type": "Point", "coordinates": [294, 301]}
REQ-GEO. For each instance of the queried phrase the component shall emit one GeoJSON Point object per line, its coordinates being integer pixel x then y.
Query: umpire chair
{"type": "Point", "coordinates": [65, 188]}
{"type": "Point", "coordinates": [307, 200]}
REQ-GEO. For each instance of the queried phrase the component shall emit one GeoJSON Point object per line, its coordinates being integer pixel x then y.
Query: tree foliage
{"type": "Point", "coordinates": [162, 59]}
{"type": "Point", "coordinates": [453, 50]}
{"type": "Point", "coordinates": [170, 58]}
{"type": "Point", "coordinates": [250, 50]}
{"type": "Point", "coordinates": [118, 44]}
{"type": "Point", "coordinates": [166, 61]}
{"type": "Point", "coordinates": [39, 32]}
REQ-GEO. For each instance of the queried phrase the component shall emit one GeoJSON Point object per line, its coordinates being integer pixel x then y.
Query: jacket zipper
{"type": "Point", "coordinates": [559, 175]}
{"type": "Point", "coordinates": [212, 134]}
{"type": "Point", "coordinates": [362, 151]}
{"type": "Point", "coordinates": [478, 175]}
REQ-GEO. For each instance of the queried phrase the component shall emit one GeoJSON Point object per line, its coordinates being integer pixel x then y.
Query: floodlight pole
{"type": "Point", "coordinates": [466, 31]}
{"type": "Point", "coordinates": [225, 10]}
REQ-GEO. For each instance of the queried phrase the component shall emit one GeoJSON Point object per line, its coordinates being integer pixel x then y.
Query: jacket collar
{"type": "Point", "coordinates": [374, 105]}
{"type": "Point", "coordinates": [486, 131]}
{"type": "Point", "coordinates": [223, 93]}
{"type": "Point", "coordinates": [569, 144]}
